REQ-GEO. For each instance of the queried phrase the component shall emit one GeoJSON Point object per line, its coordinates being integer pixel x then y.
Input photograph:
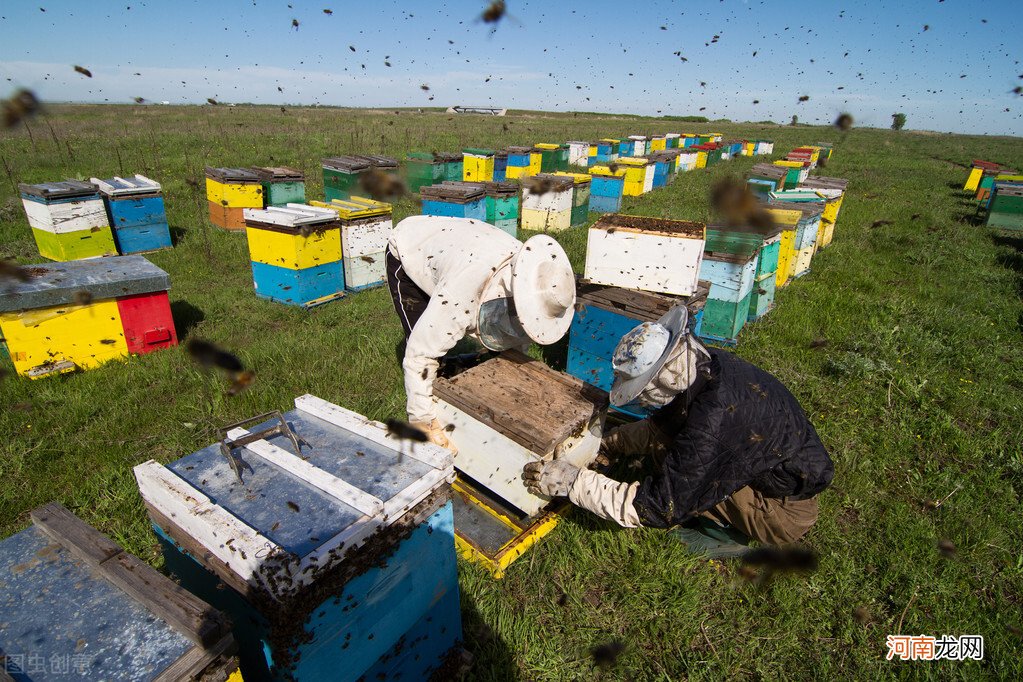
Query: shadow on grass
{"type": "Point", "coordinates": [492, 659]}
{"type": "Point", "coordinates": [177, 234]}
{"type": "Point", "coordinates": [186, 316]}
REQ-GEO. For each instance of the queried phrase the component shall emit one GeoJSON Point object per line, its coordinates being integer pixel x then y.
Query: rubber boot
{"type": "Point", "coordinates": [703, 536]}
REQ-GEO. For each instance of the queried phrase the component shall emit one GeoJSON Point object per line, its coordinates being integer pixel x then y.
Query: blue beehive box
{"type": "Point", "coordinates": [603, 315]}
{"type": "Point", "coordinates": [455, 200]}
{"type": "Point", "coordinates": [137, 214]}
{"type": "Point", "coordinates": [326, 559]}
{"type": "Point", "coordinates": [500, 166]}
{"type": "Point", "coordinates": [606, 193]}
{"type": "Point", "coordinates": [75, 606]}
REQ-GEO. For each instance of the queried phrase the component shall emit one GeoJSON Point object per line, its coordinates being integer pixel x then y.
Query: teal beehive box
{"type": "Point", "coordinates": [281, 185]}
{"type": "Point", "coordinates": [327, 541]}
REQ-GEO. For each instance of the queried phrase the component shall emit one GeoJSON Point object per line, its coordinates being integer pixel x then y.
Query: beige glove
{"type": "Point", "coordinates": [642, 438]}
{"type": "Point", "coordinates": [435, 433]}
{"type": "Point", "coordinates": [553, 478]}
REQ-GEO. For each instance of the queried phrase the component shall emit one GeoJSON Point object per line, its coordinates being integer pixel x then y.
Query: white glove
{"type": "Point", "coordinates": [553, 478]}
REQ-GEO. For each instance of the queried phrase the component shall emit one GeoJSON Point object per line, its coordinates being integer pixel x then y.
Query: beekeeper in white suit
{"type": "Point", "coordinates": [457, 277]}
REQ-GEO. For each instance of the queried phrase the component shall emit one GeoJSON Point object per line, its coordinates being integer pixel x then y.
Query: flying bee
{"type": "Point", "coordinates": [328, 12]}
{"type": "Point", "coordinates": [209, 355]}
{"type": "Point", "coordinates": [294, 24]}
{"type": "Point", "coordinates": [605, 655]}
{"type": "Point", "coordinates": [538, 184]}
{"type": "Point", "coordinates": [212, 101]}
{"type": "Point", "coordinates": [405, 431]}
{"type": "Point", "coordinates": [804, 98]}
{"type": "Point", "coordinates": [82, 297]}
{"type": "Point", "coordinates": [241, 381]}
{"type": "Point", "coordinates": [844, 122]}
{"type": "Point", "coordinates": [22, 105]}
{"type": "Point", "coordinates": [84, 71]}
{"type": "Point", "coordinates": [381, 186]}
{"type": "Point", "coordinates": [10, 270]}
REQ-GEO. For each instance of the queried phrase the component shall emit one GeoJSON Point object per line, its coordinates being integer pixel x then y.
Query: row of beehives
{"type": "Point", "coordinates": [72, 219]}
{"type": "Point", "coordinates": [999, 194]}
{"type": "Point", "coordinates": [638, 267]}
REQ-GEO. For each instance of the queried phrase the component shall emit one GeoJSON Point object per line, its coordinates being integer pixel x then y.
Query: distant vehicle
{"type": "Point", "coordinates": [491, 111]}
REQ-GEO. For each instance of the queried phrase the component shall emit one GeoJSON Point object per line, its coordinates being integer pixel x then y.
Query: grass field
{"type": "Point", "coordinates": [918, 395]}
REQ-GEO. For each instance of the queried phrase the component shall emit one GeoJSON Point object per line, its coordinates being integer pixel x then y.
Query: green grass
{"type": "Point", "coordinates": [917, 395]}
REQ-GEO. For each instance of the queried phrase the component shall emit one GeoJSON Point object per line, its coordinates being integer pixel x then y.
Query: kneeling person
{"type": "Point", "coordinates": [728, 443]}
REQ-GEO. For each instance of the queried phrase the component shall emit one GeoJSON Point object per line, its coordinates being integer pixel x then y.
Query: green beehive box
{"type": "Point", "coordinates": [422, 169]}
{"type": "Point", "coordinates": [453, 165]}
{"type": "Point", "coordinates": [1006, 209]}
{"type": "Point", "coordinates": [281, 185]}
{"type": "Point", "coordinates": [725, 319]}
{"type": "Point", "coordinates": [341, 176]}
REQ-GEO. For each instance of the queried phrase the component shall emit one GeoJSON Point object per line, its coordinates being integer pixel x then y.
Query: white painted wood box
{"type": "Point", "coordinates": [649, 254]}
{"type": "Point", "coordinates": [513, 410]}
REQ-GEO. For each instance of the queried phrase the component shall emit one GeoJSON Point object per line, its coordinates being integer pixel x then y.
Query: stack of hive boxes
{"type": "Point", "coordinates": [987, 183]}
{"type": "Point", "coordinates": [796, 172]}
{"type": "Point", "coordinates": [765, 178]}
{"type": "Point", "coordinates": [295, 252]}
{"type": "Point", "coordinates": [639, 175]}
{"type": "Point", "coordinates": [455, 200]}
{"type": "Point", "coordinates": [523, 162]}
{"type": "Point", "coordinates": [1005, 210]}
{"type": "Point", "coordinates": [365, 228]}
{"type": "Point", "coordinates": [662, 168]}
{"type": "Point", "coordinates": [765, 147]}
{"type": "Point", "coordinates": [500, 166]}
{"type": "Point", "coordinates": [136, 213]}
{"type": "Point", "coordinates": [342, 567]}
{"type": "Point", "coordinates": [549, 209]}
{"type": "Point", "coordinates": [341, 174]}
{"type": "Point", "coordinates": [229, 191]}
{"type": "Point", "coordinates": [639, 145]}
{"type": "Point", "coordinates": [606, 189]}
{"type": "Point", "coordinates": [977, 172]}
{"type": "Point", "coordinates": [833, 190]}
{"type": "Point", "coordinates": [80, 314]}
{"type": "Point", "coordinates": [281, 185]}
{"type": "Point", "coordinates": [477, 165]}
{"type": "Point", "coordinates": [671, 140]}
{"type": "Point", "coordinates": [580, 197]}
{"type": "Point", "coordinates": [807, 227]}
{"type": "Point", "coordinates": [730, 265]}
{"type": "Point", "coordinates": [502, 205]}
{"type": "Point", "coordinates": [553, 157]}
{"type": "Point", "coordinates": [578, 153]}
{"type": "Point", "coordinates": [68, 220]}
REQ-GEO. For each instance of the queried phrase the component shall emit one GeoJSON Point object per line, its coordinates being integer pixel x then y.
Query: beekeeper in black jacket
{"type": "Point", "coordinates": [728, 443]}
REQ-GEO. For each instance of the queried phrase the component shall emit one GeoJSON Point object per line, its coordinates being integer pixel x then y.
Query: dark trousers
{"type": "Point", "coordinates": [409, 300]}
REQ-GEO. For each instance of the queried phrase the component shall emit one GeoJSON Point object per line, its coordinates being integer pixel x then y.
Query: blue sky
{"type": "Point", "coordinates": [865, 57]}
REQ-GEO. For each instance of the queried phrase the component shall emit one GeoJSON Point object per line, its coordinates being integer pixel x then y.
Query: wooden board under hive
{"type": "Point", "coordinates": [76, 606]}
{"type": "Point", "coordinates": [651, 254]}
{"type": "Point", "coordinates": [512, 410]}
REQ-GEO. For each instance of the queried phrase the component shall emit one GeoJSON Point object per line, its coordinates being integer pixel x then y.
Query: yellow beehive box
{"type": "Point", "coordinates": [234, 187]}
{"type": "Point", "coordinates": [355, 207]}
{"type": "Point", "coordinates": [971, 182]}
{"type": "Point", "coordinates": [658, 143]}
{"type": "Point", "coordinates": [639, 175]}
{"type": "Point", "coordinates": [96, 329]}
{"type": "Point", "coordinates": [701, 159]}
{"type": "Point", "coordinates": [295, 236]}
{"type": "Point", "coordinates": [478, 165]}
{"type": "Point", "coordinates": [546, 221]}
{"type": "Point", "coordinates": [788, 220]}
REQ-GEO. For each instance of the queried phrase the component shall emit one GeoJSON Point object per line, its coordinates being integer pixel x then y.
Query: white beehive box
{"type": "Point", "coordinates": [557, 194]}
{"type": "Point", "coordinates": [649, 254]}
{"type": "Point", "coordinates": [513, 410]}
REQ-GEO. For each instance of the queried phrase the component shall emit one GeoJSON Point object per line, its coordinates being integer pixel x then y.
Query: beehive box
{"type": "Point", "coordinates": [519, 162]}
{"type": "Point", "coordinates": [228, 192]}
{"type": "Point", "coordinates": [578, 153]}
{"type": "Point", "coordinates": [798, 171]}
{"type": "Point", "coordinates": [671, 140]}
{"type": "Point", "coordinates": [606, 189]}
{"type": "Point", "coordinates": [986, 190]}
{"type": "Point", "coordinates": [826, 150]}
{"type": "Point", "coordinates": [80, 314]}
{"type": "Point", "coordinates": [828, 201]}
{"type": "Point", "coordinates": [553, 157]}
{"type": "Point", "coordinates": [807, 230]}
{"type": "Point", "coordinates": [477, 165]}
{"type": "Point", "coordinates": [662, 168]}
{"type": "Point", "coordinates": [638, 146]}
{"type": "Point", "coordinates": [603, 315]}
{"type": "Point", "coordinates": [649, 254]}
{"type": "Point", "coordinates": [422, 169]}
{"type": "Point", "coordinates": [766, 177]}
{"type": "Point", "coordinates": [687, 160]}
{"type": "Point", "coordinates": [639, 175]}
{"type": "Point", "coordinates": [788, 220]}
{"type": "Point", "coordinates": [341, 176]}
{"type": "Point", "coordinates": [977, 172]}
{"type": "Point", "coordinates": [76, 606]}
{"type": "Point", "coordinates": [658, 143]}
{"type": "Point", "coordinates": [502, 202]}
{"type": "Point", "coordinates": [68, 220]}
{"type": "Point", "coordinates": [281, 185]}
{"type": "Point", "coordinates": [731, 278]}
{"type": "Point", "coordinates": [500, 166]}
{"type": "Point", "coordinates": [295, 252]}
{"type": "Point", "coordinates": [828, 186]}
{"type": "Point", "coordinates": [765, 280]}
{"type": "Point", "coordinates": [136, 213]}
{"type": "Point", "coordinates": [332, 548]}
{"type": "Point", "coordinates": [455, 200]}
{"type": "Point", "coordinates": [512, 410]}
{"type": "Point", "coordinates": [1006, 208]}
{"type": "Point", "coordinates": [365, 228]}
{"type": "Point", "coordinates": [549, 210]}
{"type": "Point", "coordinates": [580, 197]}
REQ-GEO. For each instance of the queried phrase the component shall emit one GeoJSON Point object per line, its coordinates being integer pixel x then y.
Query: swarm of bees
{"type": "Point", "coordinates": [734, 203]}
{"type": "Point", "coordinates": [381, 186]}
{"type": "Point", "coordinates": [22, 105]}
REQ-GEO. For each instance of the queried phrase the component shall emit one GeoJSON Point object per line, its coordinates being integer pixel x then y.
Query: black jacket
{"type": "Point", "coordinates": [736, 426]}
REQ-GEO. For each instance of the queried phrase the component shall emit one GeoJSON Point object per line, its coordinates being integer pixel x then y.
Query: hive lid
{"type": "Point", "coordinates": [541, 183]}
{"type": "Point", "coordinates": [355, 207]}
{"type": "Point", "coordinates": [1009, 189]}
{"type": "Point", "coordinates": [65, 189]}
{"type": "Point", "coordinates": [638, 138]}
{"type": "Point", "coordinates": [478, 152]}
{"type": "Point", "coordinates": [577, 178]}
{"type": "Point", "coordinates": [519, 150]}
{"type": "Point", "coordinates": [524, 400]}
{"type": "Point", "coordinates": [663, 226]}
{"type": "Point", "coordinates": [294, 516]}
{"type": "Point", "coordinates": [53, 284]}
{"type": "Point", "coordinates": [822, 182]}
{"type": "Point", "coordinates": [136, 184]}
{"type": "Point", "coordinates": [500, 189]}
{"type": "Point", "coordinates": [348, 164]}
{"type": "Point", "coordinates": [451, 191]}
{"type": "Point", "coordinates": [809, 209]}
{"type": "Point", "coordinates": [378, 161]}
{"type": "Point", "coordinates": [768, 170]}
{"type": "Point", "coordinates": [722, 240]}
{"type": "Point", "coordinates": [290, 216]}
{"type": "Point", "coordinates": [644, 306]}
{"type": "Point", "coordinates": [798, 195]}
{"type": "Point", "coordinates": [278, 173]}
{"type": "Point", "coordinates": [635, 161]}
{"type": "Point", "coordinates": [607, 171]}
{"type": "Point", "coordinates": [420, 156]}
{"type": "Point", "coordinates": [234, 175]}
{"type": "Point", "coordinates": [547, 146]}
